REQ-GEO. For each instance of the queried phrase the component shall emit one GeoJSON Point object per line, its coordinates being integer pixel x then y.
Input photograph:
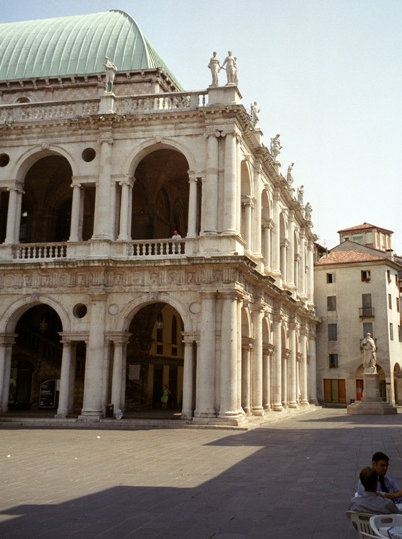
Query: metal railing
{"type": "Point", "coordinates": [366, 312]}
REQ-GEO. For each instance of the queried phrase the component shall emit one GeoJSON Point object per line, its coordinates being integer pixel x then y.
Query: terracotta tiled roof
{"type": "Point", "coordinates": [347, 257]}
{"type": "Point", "coordinates": [364, 226]}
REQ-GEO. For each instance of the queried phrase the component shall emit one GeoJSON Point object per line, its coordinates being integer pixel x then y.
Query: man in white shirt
{"type": "Point", "coordinates": [369, 501]}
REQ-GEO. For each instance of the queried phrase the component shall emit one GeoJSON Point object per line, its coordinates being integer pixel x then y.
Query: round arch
{"type": "Point", "coordinates": [13, 313]}
{"type": "Point", "coordinates": [137, 155]}
{"type": "Point", "coordinates": [132, 308]}
{"type": "Point", "coordinates": [31, 156]}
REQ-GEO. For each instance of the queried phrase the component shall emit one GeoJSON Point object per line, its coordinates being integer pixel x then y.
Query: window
{"type": "Point", "coordinates": [389, 301]}
{"type": "Point", "coordinates": [400, 333]}
{"type": "Point", "coordinates": [358, 239]}
{"type": "Point", "coordinates": [366, 275]}
{"type": "Point", "coordinates": [332, 332]}
{"type": "Point", "coordinates": [389, 275]}
{"type": "Point", "coordinates": [397, 305]}
{"type": "Point", "coordinates": [367, 328]}
{"type": "Point", "coordinates": [367, 309]}
{"type": "Point", "coordinates": [333, 361]}
{"type": "Point", "coordinates": [331, 303]}
{"type": "Point", "coordinates": [330, 278]}
{"type": "Point", "coordinates": [391, 331]}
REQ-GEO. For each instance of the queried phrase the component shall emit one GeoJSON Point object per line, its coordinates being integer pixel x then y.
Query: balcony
{"type": "Point", "coordinates": [80, 108]}
{"type": "Point", "coordinates": [366, 312]}
{"type": "Point", "coordinates": [133, 250]}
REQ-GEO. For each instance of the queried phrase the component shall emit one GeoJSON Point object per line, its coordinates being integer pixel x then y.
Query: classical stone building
{"type": "Point", "coordinates": [357, 292]}
{"type": "Point", "coordinates": [103, 156]}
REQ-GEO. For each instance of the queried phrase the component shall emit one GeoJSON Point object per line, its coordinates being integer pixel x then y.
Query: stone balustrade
{"type": "Point", "coordinates": [50, 110]}
{"type": "Point", "coordinates": [158, 248]}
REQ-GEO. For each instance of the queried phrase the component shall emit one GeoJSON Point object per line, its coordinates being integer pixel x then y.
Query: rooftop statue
{"type": "Point", "coordinates": [110, 74]}
{"type": "Point", "coordinates": [307, 211]}
{"type": "Point", "coordinates": [275, 146]}
{"type": "Point", "coordinates": [231, 68]}
{"type": "Point", "coordinates": [214, 65]}
{"type": "Point", "coordinates": [255, 113]}
{"type": "Point", "coordinates": [300, 194]}
{"type": "Point", "coordinates": [369, 353]}
{"type": "Point", "coordinates": [289, 176]}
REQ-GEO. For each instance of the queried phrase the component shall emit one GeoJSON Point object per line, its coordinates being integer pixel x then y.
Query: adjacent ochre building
{"type": "Point", "coordinates": [356, 293]}
{"type": "Point", "coordinates": [103, 157]}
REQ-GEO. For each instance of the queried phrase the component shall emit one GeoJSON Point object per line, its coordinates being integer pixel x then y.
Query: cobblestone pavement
{"type": "Point", "coordinates": [288, 478]}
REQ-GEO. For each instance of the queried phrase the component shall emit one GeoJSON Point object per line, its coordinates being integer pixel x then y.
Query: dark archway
{"type": "Point", "coordinates": [154, 359]}
{"type": "Point", "coordinates": [36, 360]}
{"type": "Point", "coordinates": [46, 203]}
{"type": "Point", "coordinates": [160, 196]}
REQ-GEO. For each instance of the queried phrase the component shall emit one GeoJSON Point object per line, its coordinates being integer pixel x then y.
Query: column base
{"type": "Point", "coordinates": [90, 415]}
{"type": "Point", "coordinates": [277, 407]}
{"type": "Point", "coordinates": [304, 402]}
{"type": "Point", "coordinates": [293, 404]}
{"type": "Point", "coordinates": [258, 410]}
{"type": "Point", "coordinates": [187, 414]}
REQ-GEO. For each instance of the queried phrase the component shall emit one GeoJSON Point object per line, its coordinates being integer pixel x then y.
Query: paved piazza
{"type": "Point", "coordinates": [290, 477]}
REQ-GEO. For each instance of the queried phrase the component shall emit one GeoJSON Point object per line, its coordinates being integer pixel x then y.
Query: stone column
{"type": "Point", "coordinates": [205, 391]}
{"type": "Point", "coordinates": [302, 266]}
{"type": "Point", "coordinates": [209, 213]}
{"type": "Point", "coordinates": [312, 372]}
{"type": "Point", "coordinates": [14, 214]}
{"type": "Point", "coordinates": [285, 373]}
{"type": "Point", "coordinates": [75, 213]}
{"type": "Point", "coordinates": [230, 209]}
{"type": "Point", "coordinates": [310, 272]}
{"type": "Point", "coordinates": [276, 235]}
{"type": "Point", "coordinates": [120, 341]}
{"type": "Point", "coordinates": [103, 211]}
{"type": "Point", "coordinates": [188, 375]}
{"type": "Point", "coordinates": [247, 203]}
{"type": "Point", "coordinates": [93, 383]}
{"type": "Point", "coordinates": [192, 206]}
{"type": "Point", "coordinates": [65, 379]}
{"type": "Point", "coordinates": [292, 366]}
{"type": "Point", "coordinates": [303, 377]}
{"type": "Point", "coordinates": [125, 214]}
{"type": "Point", "coordinates": [256, 373]}
{"type": "Point", "coordinates": [6, 345]}
{"type": "Point", "coordinates": [284, 249]}
{"type": "Point", "coordinates": [229, 379]}
{"type": "Point", "coordinates": [290, 278]}
{"type": "Point", "coordinates": [256, 230]}
{"type": "Point", "coordinates": [277, 365]}
{"type": "Point", "coordinates": [247, 346]}
{"type": "Point", "coordinates": [267, 368]}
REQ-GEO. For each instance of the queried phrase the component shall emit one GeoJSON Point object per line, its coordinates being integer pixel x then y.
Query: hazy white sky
{"type": "Point", "coordinates": [326, 74]}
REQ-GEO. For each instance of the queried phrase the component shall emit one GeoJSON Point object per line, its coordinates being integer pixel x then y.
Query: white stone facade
{"type": "Point", "coordinates": [92, 185]}
{"type": "Point", "coordinates": [357, 292]}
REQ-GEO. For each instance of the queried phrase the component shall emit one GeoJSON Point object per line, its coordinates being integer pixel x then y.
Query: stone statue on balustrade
{"type": "Point", "coordinates": [254, 113]}
{"type": "Point", "coordinates": [308, 211]}
{"type": "Point", "coordinates": [369, 351]}
{"type": "Point", "coordinates": [231, 68]}
{"type": "Point", "coordinates": [275, 147]}
{"type": "Point", "coordinates": [300, 194]}
{"type": "Point", "coordinates": [289, 176]}
{"type": "Point", "coordinates": [214, 65]}
{"type": "Point", "coordinates": [110, 69]}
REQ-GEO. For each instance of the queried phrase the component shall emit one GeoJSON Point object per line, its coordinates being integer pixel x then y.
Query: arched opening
{"type": "Point", "coordinates": [283, 246]}
{"type": "Point", "coordinates": [246, 209]}
{"type": "Point", "coordinates": [285, 364]}
{"type": "Point", "coordinates": [36, 361]}
{"type": "Point", "coordinates": [46, 202]}
{"type": "Point", "coordinates": [155, 355]}
{"type": "Point", "coordinates": [160, 196]}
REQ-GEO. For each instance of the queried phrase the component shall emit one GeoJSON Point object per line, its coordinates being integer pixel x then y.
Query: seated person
{"type": "Point", "coordinates": [385, 484]}
{"type": "Point", "coordinates": [369, 502]}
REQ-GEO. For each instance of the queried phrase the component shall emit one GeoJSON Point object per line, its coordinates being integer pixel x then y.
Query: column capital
{"type": "Point", "coordinates": [8, 338]}
{"type": "Point", "coordinates": [189, 337]}
{"type": "Point", "coordinates": [117, 337]}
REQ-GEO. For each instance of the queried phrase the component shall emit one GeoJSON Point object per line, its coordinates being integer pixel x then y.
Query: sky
{"type": "Point", "coordinates": [326, 74]}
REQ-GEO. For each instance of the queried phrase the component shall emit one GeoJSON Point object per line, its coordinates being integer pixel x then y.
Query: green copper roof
{"type": "Point", "coordinates": [74, 46]}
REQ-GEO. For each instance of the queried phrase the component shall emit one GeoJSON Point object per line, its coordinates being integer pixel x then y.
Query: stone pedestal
{"type": "Point", "coordinates": [371, 403]}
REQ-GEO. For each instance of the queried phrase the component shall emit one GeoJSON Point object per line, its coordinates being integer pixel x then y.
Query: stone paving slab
{"type": "Point", "coordinates": [289, 477]}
